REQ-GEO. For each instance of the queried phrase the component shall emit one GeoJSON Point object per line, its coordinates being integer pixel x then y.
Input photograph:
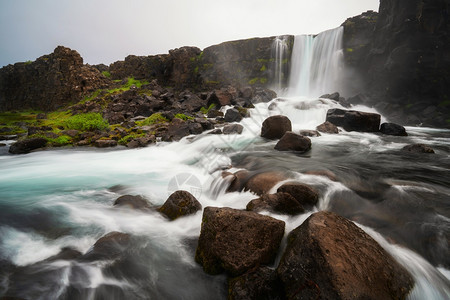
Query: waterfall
{"type": "Point", "coordinates": [316, 63]}
{"type": "Point", "coordinates": [279, 54]}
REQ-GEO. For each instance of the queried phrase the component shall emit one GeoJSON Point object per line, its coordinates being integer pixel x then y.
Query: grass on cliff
{"type": "Point", "coordinates": [86, 122]}
{"type": "Point", "coordinates": [123, 88]}
{"type": "Point", "coordinates": [153, 119]}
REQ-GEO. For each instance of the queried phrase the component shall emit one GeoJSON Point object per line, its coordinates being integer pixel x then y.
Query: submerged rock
{"type": "Point", "coordinates": [262, 183]}
{"type": "Point", "coordinates": [282, 203]}
{"type": "Point", "coordinates": [233, 129]}
{"type": "Point", "coordinates": [393, 129]}
{"type": "Point", "coordinates": [329, 257]}
{"type": "Point", "coordinates": [27, 145]}
{"type": "Point", "coordinates": [180, 203]}
{"type": "Point", "coordinates": [293, 142]}
{"type": "Point", "coordinates": [275, 127]}
{"type": "Point", "coordinates": [310, 133]}
{"type": "Point", "coordinates": [133, 202]}
{"type": "Point", "coordinates": [109, 246]}
{"type": "Point", "coordinates": [418, 148]}
{"type": "Point", "coordinates": [236, 241]}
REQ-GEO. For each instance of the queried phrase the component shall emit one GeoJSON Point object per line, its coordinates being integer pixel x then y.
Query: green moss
{"type": "Point", "coordinates": [62, 140]}
{"type": "Point", "coordinates": [86, 122]}
{"type": "Point", "coordinates": [285, 61]}
{"type": "Point", "coordinates": [153, 119]}
{"type": "Point", "coordinates": [106, 74]}
{"type": "Point", "coordinates": [196, 70]}
{"type": "Point", "coordinates": [349, 49]}
{"type": "Point", "coordinates": [126, 139]}
{"type": "Point", "coordinates": [183, 117]}
{"type": "Point", "coordinates": [445, 103]}
{"type": "Point", "coordinates": [28, 62]}
{"type": "Point", "coordinates": [263, 68]}
{"type": "Point", "coordinates": [10, 118]}
{"type": "Point", "coordinates": [255, 80]}
{"type": "Point", "coordinates": [205, 111]}
{"type": "Point", "coordinates": [207, 66]}
{"type": "Point", "coordinates": [263, 61]}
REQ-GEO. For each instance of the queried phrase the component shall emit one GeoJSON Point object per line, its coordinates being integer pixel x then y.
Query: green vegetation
{"type": "Point", "coordinates": [263, 68]}
{"type": "Point", "coordinates": [205, 111]}
{"type": "Point", "coordinates": [106, 74]}
{"type": "Point", "coordinates": [126, 139]}
{"type": "Point", "coordinates": [255, 80]}
{"type": "Point", "coordinates": [125, 87]}
{"type": "Point", "coordinates": [60, 141]}
{"type": "Point", "coordinates": [262, 60]}
{"type": "Point", "coordinates": [153, 119]}
{"type": "Point", "coordinates": [349, 50]}
{"type": "Point", "coordinates": [445, 103]}
{"type": "Point", "coordinates": [28, 62]}
{"type": "Point", "coordinates": [86, 122]}
{"type": "Point", "coordinates": [183, 117]}
{"type": "Point", "coordinates": [196, 70]}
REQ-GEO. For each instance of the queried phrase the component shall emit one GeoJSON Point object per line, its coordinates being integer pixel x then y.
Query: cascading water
{"type": "Point", "coordinates": [316, 63]}
{"type": "Point", "coordinates": [63, 198]}
{"type": "Point", "coordinates": [279, 53]}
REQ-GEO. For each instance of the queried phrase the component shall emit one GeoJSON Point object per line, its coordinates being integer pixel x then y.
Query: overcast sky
{"type": "Point", "coordinates": [104, 31]}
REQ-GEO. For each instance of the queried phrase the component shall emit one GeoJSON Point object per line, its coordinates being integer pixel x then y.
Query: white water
{"type": "Point", "coordinates": [317, 63]}
{"type": "Point", "coordinates": [279, 51]}
{"type": "Point", "coordinates": [59, 198]}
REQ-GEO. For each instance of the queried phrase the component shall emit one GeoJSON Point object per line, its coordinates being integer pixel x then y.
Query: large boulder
{"type": "Point", "coordinates": [232, 115]}
{"type": "Point", "coordinates": [275, 127]}
{"type": "Point", "coordinates": [329, 257]}
{"type": "Point", "coordinates": [393, 129]}
{"type": "Point", "coordinates": [236, 180]}
{"type": "Point", "coordinates": [304, 194]}
{"type": "Point", "coordinates": [133, 202]}
{"type": "Point", "coordinates": [352, 120]}
{"type": "Point", "coordinates": [293, 142]}
{"type": "Point", "coordinates": [236, 241]}
{"type": "Point", "coordinates": [261, 284]}
{"type": "Point", "coordinates": [109, 246]}
{"type": "Point", "coordinates": [27, 145]}
{"type": "Point", "coordinates": [282, 203]}
{"type": "Point", "coordinates": [180, 203]}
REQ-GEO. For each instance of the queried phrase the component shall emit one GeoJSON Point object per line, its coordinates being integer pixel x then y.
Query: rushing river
{"type": "Point", "coordinates": [63, 198]}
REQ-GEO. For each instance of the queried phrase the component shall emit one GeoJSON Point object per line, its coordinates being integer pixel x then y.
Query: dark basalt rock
{"type": "Point", "coordinates": [261, 284]}
{"type": "Point", "coordinates": [329, 257]}
{"type": "Point", "coordinates": [418, 148]}
{"type": "Point", "coordinates": [282, 203]}
{"type": "Point", "coordinates": [393, 129]}
{"type": "Point", "coordinates": [327, 127]}
{"type": "Point", "coordinates": [232, 115]}
{"type": "Point", "coordinates": [304, 194]}
{"type": "Point", "coordinates": [27, 145]}
{"type": "Point", "coordinates": [105, 143]}
{"type": "Point", "coordinates": [352, 120]}
{"type": "Point", "coordinates": [109, 246]}
{"type": "Point", "coordinates": [180, 203]}
{"type": "Point", "coordinates": [310, 133]}
{"type": "Point", "coordinates": [236, 241]}
{"type": "Point", "coordinates": [275, 127]}
{"type": "Point", "coordinates": [293, 142]}
{"type": "Point", "coordinates": [262, 183]}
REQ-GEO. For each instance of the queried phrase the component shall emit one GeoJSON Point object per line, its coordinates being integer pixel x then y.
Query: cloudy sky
{"type": "Point", "coordinates": [104, 31]}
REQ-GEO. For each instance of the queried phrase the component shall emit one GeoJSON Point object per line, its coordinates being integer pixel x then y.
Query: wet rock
{"type": "Point", "coordinates": [352, 120]}
{"type": "Point", "coordinates": [66, 253]}
{"type": "Point", "coordinates": [328, 127]}
{"type": "Point", "coordinates": [193, 103]}
{"type": "Point", "coordinates": [133, 202]}
{"type": "Point", "coordinates": [282, 203]}
{"type": "Point", "coordinates": [261, 284]}
{"type": "Point", "coordinates": [237, 180]}
{"type": "Point", "coordinates": [304, 194]}
{"type": "Point", "coordinates": [216, 131]}
{"type": "Point", "coordinates": [233, 129]}
{"type": "Point", "coordinates": [275, 127]}
{"type": "Point", "coordinates": [141, 142]}
{"type": "Point", "coordinates": [27, 145]}
{"type": "Point", "coordinates": [293, 142]}
{"type": "Point", "coordinates": [263, 95]}
{"type": "Point", "coordinates": [233, 115]}
{"type": "Point", "coordinates": [180, 203]}
{"type": "Point", "coordinates": [179, 129]}
{"type": "Point", "coordinates": [236, 241]}
{"type": "Point", "coordinates": [109, 246]}
{"type": "Point", "coordinates": [329, 257]}
{"type": "Point", "coordinates": [310, 133]}
{"type": "Point", "coordinates": [214, 113]}
{"type": "Point", "coordinates": [262, 183]}
{"type": "Point", "coordinates": [335, 96]}
{"type": "Point", "coordinates": [105, 143]}
{"type": "Point", "coordinates": [418, 148]}
{"type": "Point", "coordinates": [393, 129]}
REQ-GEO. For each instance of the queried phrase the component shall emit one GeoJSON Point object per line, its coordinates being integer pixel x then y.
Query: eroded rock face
{"type": "Point", "coordinates": [48, 83]}
{"type": "Point", "coordinates": [275, 127]}
{"type": "Point", "coordinates": [180, 203]}
{"type": "Point", "coordinates": [329, 257]}
{"type": "Point", "coordinates": [262, 284]}
{"type": "Point", "coordinates": [236, 241]}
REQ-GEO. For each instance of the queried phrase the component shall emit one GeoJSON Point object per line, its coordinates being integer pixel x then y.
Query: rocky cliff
{"type": "Point", "coordinates": [48, 83]}
{"type": "Point", "coordinates": [404, 59]}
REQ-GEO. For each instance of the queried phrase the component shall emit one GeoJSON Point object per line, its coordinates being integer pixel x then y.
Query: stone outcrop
{"type": "Point", "coordinates": [261, 284]}
{"type": "Point", "coordinates": [236, 241]}
{"type": "Point", "coordinates": [50, 82]}
{"type": "Point", "coordinates": [293, 142]}
{"type": "Point", "coordinates": [352, 120]}
{"type": "Point", "coordinates": [28, 145]}
{"type": "Point", "coordinates": [329, 257]}
{"type": "Point", "coordinates": [282, 203]}
{"type": "Point", "coordinates": [304, 194]}
{"type": "Point", "coordinates": [275, 127]}
{"type": "Point", "coordinates": [393, 129]}
{"type": "Point", "coordinates": [405, 65]}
